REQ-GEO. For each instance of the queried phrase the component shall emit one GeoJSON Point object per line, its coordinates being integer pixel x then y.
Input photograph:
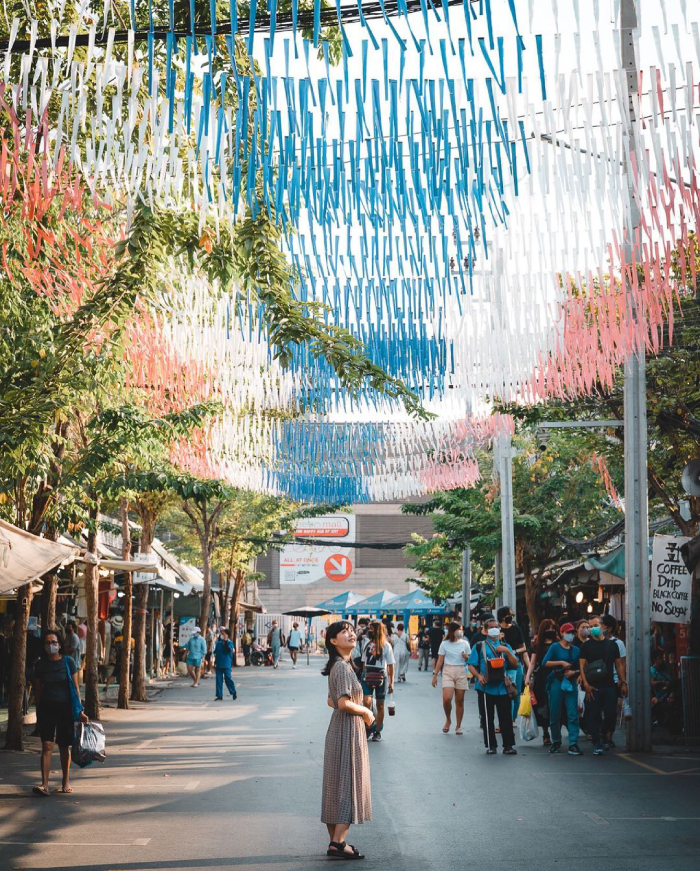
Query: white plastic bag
{"type": "Point", "coordinates": [528, 728]}
{"type": "Point", "coordinates": [581, 702]}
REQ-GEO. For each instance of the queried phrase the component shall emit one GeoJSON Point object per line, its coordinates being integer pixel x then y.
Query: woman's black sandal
{"type": "Point", "coordinates": [337, 851]}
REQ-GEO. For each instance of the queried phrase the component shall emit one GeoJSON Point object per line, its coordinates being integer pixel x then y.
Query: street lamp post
{"type": "Point", "coordinates": [466, 584]}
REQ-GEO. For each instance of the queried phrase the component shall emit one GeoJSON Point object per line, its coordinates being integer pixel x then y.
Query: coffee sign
{"type": "Point", "coordinates": [671, 583]}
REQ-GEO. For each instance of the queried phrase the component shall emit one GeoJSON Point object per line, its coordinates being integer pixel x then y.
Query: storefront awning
{"type": "Point", "coordinates": [25, 557]}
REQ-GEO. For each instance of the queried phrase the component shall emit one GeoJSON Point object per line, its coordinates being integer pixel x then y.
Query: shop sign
{"type": "Point", "coordinates": [308, 564]}
{"type": "Point", "coordinates": [671, 583]}
{"type": "Point", "coordinates": [187, 625]}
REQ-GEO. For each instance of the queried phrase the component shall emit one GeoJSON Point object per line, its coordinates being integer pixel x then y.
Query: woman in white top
{"type": "Point", "coordinates": [452, 657]}
{"type": "Point", "coordinates": [402, 651]}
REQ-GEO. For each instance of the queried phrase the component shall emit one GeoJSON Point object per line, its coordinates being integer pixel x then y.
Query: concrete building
{"type": "Point", "coordinates": [301, 575]}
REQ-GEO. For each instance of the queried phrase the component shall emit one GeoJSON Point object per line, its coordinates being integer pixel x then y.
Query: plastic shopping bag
{"type": "Point", "coordinates": [528, 728]}
{"type": "Point", "coordinates": [581, 702]}
{"type": "Point", "coordinates": [525, 708]}
{"type": "Point", "coordinates": [88, 744]}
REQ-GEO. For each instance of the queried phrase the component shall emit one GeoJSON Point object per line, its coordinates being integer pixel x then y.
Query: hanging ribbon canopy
{"type": "Point", "coordinates": [453, 190]}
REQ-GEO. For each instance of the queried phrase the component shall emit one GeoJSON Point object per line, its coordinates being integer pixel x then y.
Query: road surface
{"type": "Point", "coordinates": [191, 785]}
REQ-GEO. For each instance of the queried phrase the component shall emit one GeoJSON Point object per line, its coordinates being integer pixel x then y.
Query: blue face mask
{"type": "Point", "coordinates": [596, 631]}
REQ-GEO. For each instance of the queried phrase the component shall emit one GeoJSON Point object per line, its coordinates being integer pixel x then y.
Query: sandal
{"type": "Point", "coordinates": [337, 851]}
{"type": "Point", "coordinates": [64, 789]}
{"type": "Point", "coordinates": [40, 790]}
{"type": "Point", "coordinates": [459, 731]}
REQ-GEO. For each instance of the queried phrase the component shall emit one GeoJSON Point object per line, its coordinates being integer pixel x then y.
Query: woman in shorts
{"type": "Point", "coordinates": [53, 675]}
{"type": "Point", "coordinates": [377, 672]}
{"type": "Point", "coordinates": [451, 662]}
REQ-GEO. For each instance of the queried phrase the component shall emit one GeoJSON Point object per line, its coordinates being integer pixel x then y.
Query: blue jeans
{"type": "Point", "coordinates": [602, 710]}
{"type": "Point", "coordinates": [518, 678]}
{"type": "Point", "coordinates": [224, 674]}
{"type": "Point", "coordinates": [556, 697]}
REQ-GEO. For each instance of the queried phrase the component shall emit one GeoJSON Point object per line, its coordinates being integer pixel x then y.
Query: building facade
{"type": "Point", "coordinates": [336, 569]}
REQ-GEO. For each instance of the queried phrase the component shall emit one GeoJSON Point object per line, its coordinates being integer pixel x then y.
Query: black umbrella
{"type": "Point", "coordinates": [308, 612]}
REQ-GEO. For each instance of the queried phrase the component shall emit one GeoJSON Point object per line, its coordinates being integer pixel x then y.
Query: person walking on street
{"type": "Point", "coordinates": [436, 634]}
{"type": "Point", "coordinates": [72, 645]}
{"type": "Point", "coordinates": [513, 636]}
{"type": "Point", "coordinates": [453, 654]}
{"type": "Point", "coordinates": [609, 624]}
{"type": "Point", "coordinates": [424, 650]}
{"type": "Point", "coordinates": [210, 640]}
{"type": "Point", "coordinates": [54, 674]}
{"type": "Point", "coordinates": [478, 637]}
{"type": "Point", "coordinates": [377, 672]}
{"type": "Point", "coordinates": [402, 651]}
{"type": "Point", "coordinates": [223, 661]}
{"type": "Point", "coordinates": [275, 640]}
{"type": "Point", "coordinates": [599, 656]}
{"type": "Point", "coordinates": [487, 663]}
{"type": "Point", "coordinates": [536, 676]}
{"type": "Point", "coordinates": [294, 643]}
{"type": "Point", "coordinates": [561, 664]}
{"type": "Point", "coordinates": [347, 795]}
{"type": "Point", "coordinates": [196, 650]}
{"type": "Point", "coordinates": [247, 644]}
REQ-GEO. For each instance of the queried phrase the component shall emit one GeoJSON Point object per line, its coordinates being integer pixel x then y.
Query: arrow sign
{"type": "Point", "coordinates": [337, 567]}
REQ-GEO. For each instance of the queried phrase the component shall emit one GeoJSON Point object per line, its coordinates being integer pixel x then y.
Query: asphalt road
{"type": "Point", "coordinates": [195, 784]}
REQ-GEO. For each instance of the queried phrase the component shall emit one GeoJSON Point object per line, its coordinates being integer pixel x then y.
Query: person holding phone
{"type": "Point", "coordinates": [347, 794]}
{"type": "Point", "coordinates": [562, 669]}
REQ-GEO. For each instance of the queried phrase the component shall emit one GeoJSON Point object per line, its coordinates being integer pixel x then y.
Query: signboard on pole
{"type": "Point", "coordinates": [671, 583]}
{"type": "Point", "coordinates": [187, 625]}
{"type": "Point", "coordinates": [308, 564]}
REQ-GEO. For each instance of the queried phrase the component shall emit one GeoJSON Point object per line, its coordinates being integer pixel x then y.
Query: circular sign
{"type": "Point", "coordinates": [337, 567]}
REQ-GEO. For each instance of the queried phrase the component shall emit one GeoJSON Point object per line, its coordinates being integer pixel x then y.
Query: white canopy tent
{"type": "Point", "coordinates": [25, 557]}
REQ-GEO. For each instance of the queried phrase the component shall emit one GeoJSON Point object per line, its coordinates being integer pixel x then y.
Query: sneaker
{"type": "Point", "coordinates": [294, 666]}
{"type": "Point", "coordinates": [377, 736]}
{"type": "Point", "coordinates": [556, 747]}
{"type": "Point", "coordinates": [234, 696]}
{"type": "Point", "coordinates": [598, 750]}
{"type": "Point", "coordinates": [218, 698]}
{"type": "Point", "coordinates": [491, 752]}
{"type": "Point", "coordinates": [575, 750]}
{"type": "Point", "coordinates": [510, 751]}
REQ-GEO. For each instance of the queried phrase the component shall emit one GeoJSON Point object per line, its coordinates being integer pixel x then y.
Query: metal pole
{"type": "Point", "coordinates": [466, 584]}
{"type": "Point", "coordinates": [308, 641]}
{"type": "Point", "coordinates": [636, 508]}
{"type": "Point", "coordinates": [507, 528]}
{"type": "Point", "coordinates": [172, 632]}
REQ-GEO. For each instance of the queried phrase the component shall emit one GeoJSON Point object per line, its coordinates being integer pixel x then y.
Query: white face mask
{"type": "Point", "coordinates": [569, 636]}
{"type": "Point", "coordinates": [52, 648]}
{"type": "Point", "coordinates": [494, 632]}
{"type": "Point", "coordinates": [459, 634]}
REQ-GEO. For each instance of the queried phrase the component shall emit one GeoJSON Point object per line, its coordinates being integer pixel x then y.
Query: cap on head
{"type": "Point", "coordinates": [196, 630]}
{"type": "Point", "coordinates": [566, 627]}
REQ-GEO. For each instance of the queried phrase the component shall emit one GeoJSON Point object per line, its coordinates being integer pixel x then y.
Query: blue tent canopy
{"type": "Point", "coordinates": [374, 604]}
{"type": "Point", "coordinates": [339, 604]}
{"type": "Point", "coordinates": [416, 602]}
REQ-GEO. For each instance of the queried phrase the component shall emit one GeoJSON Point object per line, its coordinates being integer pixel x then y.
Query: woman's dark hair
{"type": "Point", "coordinates": [545, 626]}
{"type": "Point", "coordinates": [333, 655]}
{"type": "Point", "coordinates": [452, 628]}
{"type": "Point", "coordinates": [399, 627]}
{"type": "Point", "coordinates": [44, 635]}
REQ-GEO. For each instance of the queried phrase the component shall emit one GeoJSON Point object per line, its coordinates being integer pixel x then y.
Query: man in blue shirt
{"type": "Point", "coordinates": [223, 660]}
{"type": "Point", "coordinates": [562, 665]}
{"type": "Point", "coordinates": [196, 650]}
{"type": "Point", "coordinates": [487, 663]}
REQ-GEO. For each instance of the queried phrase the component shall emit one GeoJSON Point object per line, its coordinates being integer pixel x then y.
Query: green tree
{"type": "Point", "coordinates": [558, 495]}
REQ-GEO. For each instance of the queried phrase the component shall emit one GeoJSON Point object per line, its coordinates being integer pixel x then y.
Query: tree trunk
{"type": "Point", "coordinates": [14, 739]}
{"type": "Point", "coordinates": [233, 613]}
{"type": "Point", "coordinates": [92, 689]}
{"type": "Point", "coordinates": [138, 693]}
{"type": "Point", "coordinates": [532, 603]}
{"type": "Point", "coordinates": [48, 601]}
{"type": "Point", "coordinates": [206, 592]}
{"type": "Point", "coordinates": [125, 667]}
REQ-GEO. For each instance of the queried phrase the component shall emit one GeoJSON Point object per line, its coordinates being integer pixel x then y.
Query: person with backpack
{"type": "Point", "coordinates": [487, 663]}
{"type": "Point", "coordinates": [275, 641]}
{"type": "Point", "coordinates": [424, 650]}
{"type": "Point", "coordinates": [58, 706]}
{"type": "Point", "coordinates": [377, 672]}
{"type": "Point", "coordinates": [599, 658]}
{"type": "Point", "coordinates": [562, 669]}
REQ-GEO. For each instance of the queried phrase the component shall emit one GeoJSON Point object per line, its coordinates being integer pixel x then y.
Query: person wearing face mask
{"type": "Point", "coordinates": [599, 658]}
{"type": "Point", "coordinates": [561, 665]}
{"type": "Point", "coordinates": [53, 677]}
{"type": "Point", "coordinates": [223, 658]}
{"type": "Point", "coordinates": [472, 631]}
{"type": "Point", "coordinates": [513, 636]}
{"type": "Point", "coordinates": [536, 676]}
{"type": "Point", "coordinates": [583, 633]}
{"type": "Point", "coordinates": [452, 655]}
{"type": "Point", "coordinates": [487, 663]}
